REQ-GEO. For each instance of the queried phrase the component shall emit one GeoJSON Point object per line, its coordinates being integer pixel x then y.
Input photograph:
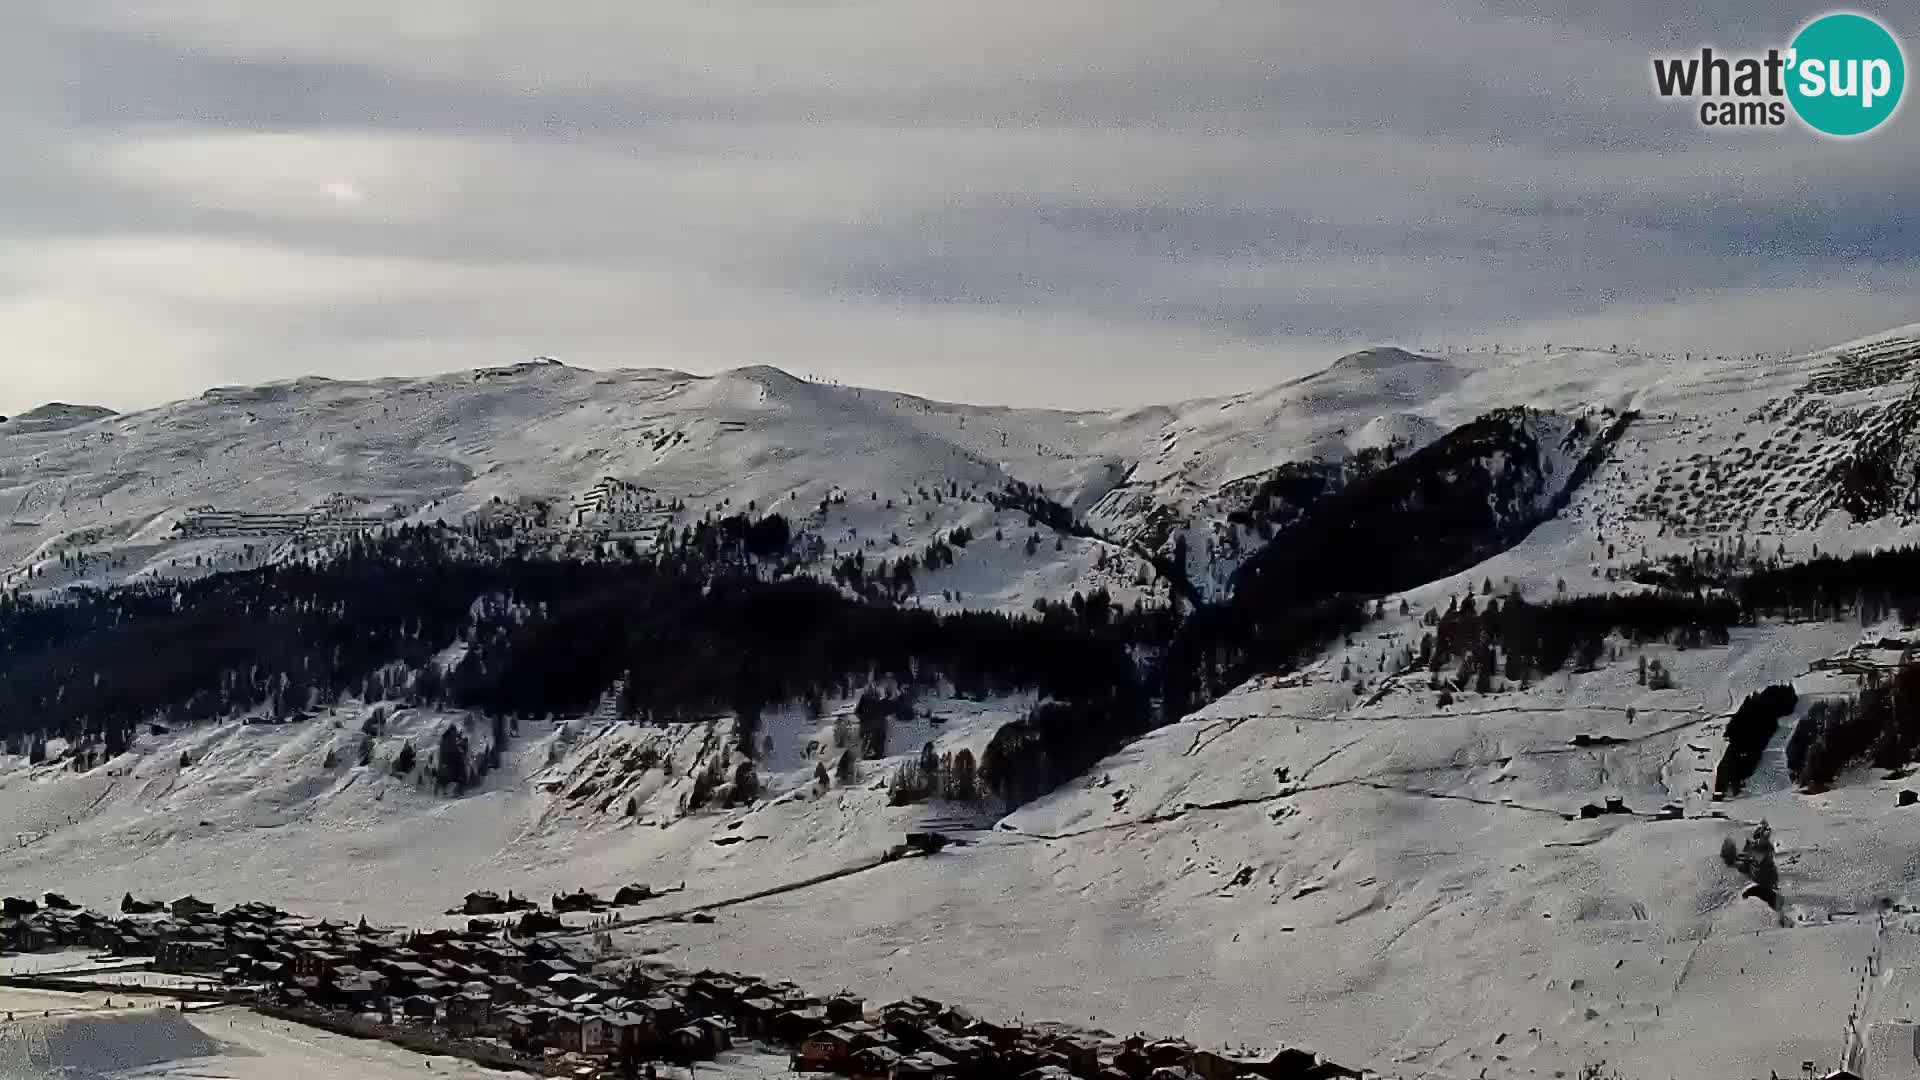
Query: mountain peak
{"type": "Point", "coordinates": [57, 414]}
{"type": "Point", "coordinates": [1382, 356]}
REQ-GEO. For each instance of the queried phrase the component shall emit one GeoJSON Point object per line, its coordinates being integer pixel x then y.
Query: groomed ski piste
{"type": "Point", "coordinates": [1378, 877]}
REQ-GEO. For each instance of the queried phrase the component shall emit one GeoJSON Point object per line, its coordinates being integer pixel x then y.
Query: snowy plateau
{"type": "Point", "coordinates": [1389, 872]}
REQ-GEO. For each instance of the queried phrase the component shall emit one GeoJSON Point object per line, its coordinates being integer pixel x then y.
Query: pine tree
{"type": "Point", "coordinates": [451, 765]}
{"type": "Point", "coordinates": [963, 777]}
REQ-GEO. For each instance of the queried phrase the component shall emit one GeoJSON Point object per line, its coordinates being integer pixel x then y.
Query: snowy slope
{"type": "Point", "coordinates": [1387, 880]}
{"type": "Point", "coordinates": [242, 475]}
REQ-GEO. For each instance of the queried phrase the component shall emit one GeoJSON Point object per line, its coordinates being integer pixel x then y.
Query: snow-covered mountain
{"type": "Point", "coordinates": [1362, 856]}
{"type": "Point", "coordinates": [238, 474]}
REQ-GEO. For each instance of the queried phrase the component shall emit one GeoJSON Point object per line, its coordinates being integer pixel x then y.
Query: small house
{"type": "Point", "coordinates": [797, 1024]}
{"type": "Point", "coordinates": [757, 1017]}
{"type": "Point", "coordinates": [483, 903]}
{"type": "Point", "coordinates": [695, 1042]}
{"type": "Point", "coordinates": [924, 1066]}
{"type": "Point", "coordinates": [719, 1032]}
{"type": "Point", "coordinates": [1079, 1055]}
{"type": "Point", "coordinates": [468, 1013]}
{"type": "Point", "coordinates": [830, 1050]}
{"type": "Point", "coordinates": [191, 957]}
{"type": "Point", "coordinates": [564, 1031]}
{"type": "Point", "coordinates": [873, 1063]}
{"type": "Point", "coordinates": [630, 1031]}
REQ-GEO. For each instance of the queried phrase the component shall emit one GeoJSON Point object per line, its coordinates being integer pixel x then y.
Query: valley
{"type": "Point", "coordinates": [1382, 850]}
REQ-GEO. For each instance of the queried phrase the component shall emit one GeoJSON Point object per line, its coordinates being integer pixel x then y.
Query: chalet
{"type": "Point", "coordinates": [1001, 1035]}
{"type": "Point", "coordinates": [719, 1032]}
{"type": "Point", "coordinates": [629, 1031]}
{"type": "Point", "coordinates": [1169, 1053]}
{"type": "Point", "coordinates": [419, 1006]}
{"type": "Point", "coordinates": [632, 894]}
{"type": "Point", "coordinates": [873, 1063]}
{"type": "Point", "coordinates": [20, 935]}
{"type": "Point", "coordinates": [844, 1007]}
{"type": "Point", "coordinates": [1327, 1070]}
{"type": "Point", "coordinates": [597, 1036]}
{"type": "Point", "coordinates": [245, 942]}
{"type": "Point", "coordinates": [563, 1031]}
{"type": "Point", "coordinates": [1080, 1056]}
{"type": "Point", "coordinates": [523, 1029]}
{"type": "Point", "coordinates": [542, 970]}
{"type": "Point", "coordinates": [912, 1011]}
{"type": "Point", "coordinates": [538, 922]}
{"type": "Point", "coordinates": [198, 957]}
{"type": "Point", "coordinates": [1284, 1064]}
{"type": "Point", "coordinates": [757, 1016]}
{"type": "Point", "coordinates": [908, 1035]}
{"type": "Point", "coordinates": [695, 1042]}
{"type": "Point", "coordinates": [317, 963]}
{"type": "Point", "coordinates": [496, 958]}
{"type": "Point", "coordinates": [483, 903]}
{"type": "Point", "coordinates": [662, 1013]}
{"type": "Point", "coordinates": [405, 976]}
{"type": "Point", "coordinates": [468, 1013]}
{"type": "Point", "coordinates": [189, 906]}
{"type": "Point", "coordinates": [923, 1066]}
{"type": "Point", "coordinates": [15, 907]}
{"type": "Point", "coordinates": [137, 941]}
{"type": "Point", "coordinates": [866, 1033]}
{"type": "Point", "coordinates": [825, 1051]}
{"type": "Point", "coordinates": [796, 1025]}
{"type": "Point", "coordinates": [364, 990]}
{"type": "Point", "coordinates": [1022, 1058]}
{"type": "Point", "coordinates": [965, 1051]}
{"type": "Point", "coordinates": [581, 900]}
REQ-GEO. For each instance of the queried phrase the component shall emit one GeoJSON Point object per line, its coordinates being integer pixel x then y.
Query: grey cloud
{"type": "Point", "coordinates": [1160, 194]}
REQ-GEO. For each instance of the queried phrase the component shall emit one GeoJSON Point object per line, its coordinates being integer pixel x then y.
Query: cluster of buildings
{"type": "Point", "coordinates": [922, 1039]}
{"type": "Point", "coordinates": [334, 518]}
{"type": "Point", "coordinates": [534, 997]}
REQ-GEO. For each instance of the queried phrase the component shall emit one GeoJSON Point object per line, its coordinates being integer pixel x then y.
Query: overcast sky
{"type": "Point", "coordinates": [1030, 201]}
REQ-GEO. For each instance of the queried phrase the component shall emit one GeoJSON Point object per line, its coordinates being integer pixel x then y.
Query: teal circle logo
{"type": "Point", "coordinates": [1846, 74]}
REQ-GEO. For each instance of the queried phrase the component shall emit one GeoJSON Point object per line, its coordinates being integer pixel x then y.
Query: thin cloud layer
{"type": "Point", "coordinates": [1084, 202]}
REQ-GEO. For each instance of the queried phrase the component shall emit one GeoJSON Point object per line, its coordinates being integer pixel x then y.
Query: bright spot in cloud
{"type": "Point", "coordinates": [344, 192]}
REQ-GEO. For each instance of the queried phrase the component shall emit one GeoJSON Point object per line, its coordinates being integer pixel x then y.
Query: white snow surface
{"type": "Point", "coordinates": [119, 488]}
{"type": "Point", "coordinates": [153, 1043]}
{"type": "Point", "coordinates": [1396, 884]}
